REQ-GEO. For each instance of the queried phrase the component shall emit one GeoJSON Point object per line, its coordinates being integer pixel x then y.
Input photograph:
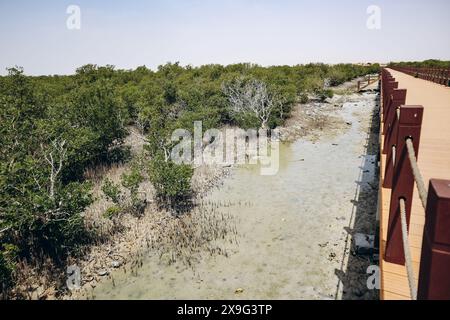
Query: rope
{"type": "Point", "coordinates": [394, 147]}
{"type": "Point", "coordinates": [394, 151]}
{"type": "Point", "coordinates": [416, 172]}
{"type": "Point", "coordinates": [423, 197]}
{"type": "Point", "coordinates": [409, 269]}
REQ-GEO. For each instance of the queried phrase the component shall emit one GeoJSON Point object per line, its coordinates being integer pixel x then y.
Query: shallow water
{"type": "Point", "coordinates": [283, 222]}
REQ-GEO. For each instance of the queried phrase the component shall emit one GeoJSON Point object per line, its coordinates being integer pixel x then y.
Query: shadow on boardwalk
{"type": "Point", "coordinates": [353, 275]}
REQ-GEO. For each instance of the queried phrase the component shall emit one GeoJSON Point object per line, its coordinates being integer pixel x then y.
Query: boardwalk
{"type": "Point", "coordinates": [433, 162]}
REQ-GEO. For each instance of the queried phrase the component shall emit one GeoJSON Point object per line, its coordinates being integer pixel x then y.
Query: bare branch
{"type": "Point", "coordinates": [59, 148]}
{"type": "Point", "coordinates": [4, 229]}
{"type": "Point", "coordinates": [250, 97]}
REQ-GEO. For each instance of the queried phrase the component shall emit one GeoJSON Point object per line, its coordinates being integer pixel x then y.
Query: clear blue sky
{"type": "Point", "coordinates": [127, 34]}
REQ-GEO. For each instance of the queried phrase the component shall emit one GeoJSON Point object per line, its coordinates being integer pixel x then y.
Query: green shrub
{"type": "Point", "coordinates": [247, 121]}
{"type": "Point", "coordinates": [8, 256]}
{"type": "Point", "coordinates": [112, 212]}
{"type": "Point", "coordinates": [325, 94]}
{"type": "Point", "coordinates": [430, 63]}
{"type": "Point", "coordinates": [304, 98]}
{"type": "Point", "coordinates": [132, 180]}
{"type": "Point", "coordinates": [119, 154]}
{"type": "Point", "coordinates": [112, 191]}
{"type": "Point", "coordinates": [63, 228]}
{"type": "Point", "coordinates": [171, 181]}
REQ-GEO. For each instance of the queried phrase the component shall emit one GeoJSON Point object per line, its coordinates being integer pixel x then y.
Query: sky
{"type": "Point", "coordinates": [128, 34]}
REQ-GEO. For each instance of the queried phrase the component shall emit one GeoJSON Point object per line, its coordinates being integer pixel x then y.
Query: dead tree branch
{"type": "Point", "coordinates": [55, 158]}
{"type": "Point", "coordinates": [251, 97]}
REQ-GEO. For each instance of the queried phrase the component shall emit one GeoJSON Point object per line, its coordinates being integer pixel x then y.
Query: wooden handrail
{"type": "Point", "coordinates": [363, 84]}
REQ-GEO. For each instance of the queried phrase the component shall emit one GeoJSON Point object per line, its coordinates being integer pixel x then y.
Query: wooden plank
{"type": "Point", "coordinates": [394, 296]}
{"type": "Point", "coordinates": [396, 283]}
{"type": "Point", "coordinates": [401, 270]}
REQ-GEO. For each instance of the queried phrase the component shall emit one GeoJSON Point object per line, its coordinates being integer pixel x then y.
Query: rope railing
{"type": "Point", "coordinates": [404, 226]}
{"type": "Point", "coordinates": [406, 247]}
{"type": "Point", "coordinates": [423, 193]}
{"type": "Point", "coordinates": [394, 149]}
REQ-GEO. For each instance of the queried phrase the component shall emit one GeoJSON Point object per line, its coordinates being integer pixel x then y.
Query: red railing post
{"type": "Point", "coordinates": [409, 126]}
{"type": "Point", "coordinates": [434, 275]}
{"type": "Point", "coordinates": [390, 86]}
{"type": "Point", "coordinates": [390, 140]}
{"type": "Point", "coordinates": [397, 98]}
{"type": "Point", "coordinates": [390, 129]}
{"type": "Point", "coordinates": [384, 75]}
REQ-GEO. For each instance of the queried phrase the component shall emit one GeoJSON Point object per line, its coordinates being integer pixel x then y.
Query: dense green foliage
{"type": "Point", "coordinates": [51, 132]}
{"type": "Point", "coordinates": [431, 63]}
{"type": "Point", "coordinates": [123, 203]}
{"type": "Point", "coordinates": [112, 191]}
{"type": "Point", "coordinates": [52, 128]}
{"type": "Point", "coordinates": [172, 182]}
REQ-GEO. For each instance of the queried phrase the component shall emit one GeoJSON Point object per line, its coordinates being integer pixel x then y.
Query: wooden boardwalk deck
{"type": "Point", "coordinates": [433, 162]}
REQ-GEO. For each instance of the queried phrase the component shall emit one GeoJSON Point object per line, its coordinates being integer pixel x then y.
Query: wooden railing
{"type": "Point", "coordinates": [436, 75]}
{"type": "Point", "coordinates": [401, 123]}
{"type": "Point", "coordinates": [368, 80]}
